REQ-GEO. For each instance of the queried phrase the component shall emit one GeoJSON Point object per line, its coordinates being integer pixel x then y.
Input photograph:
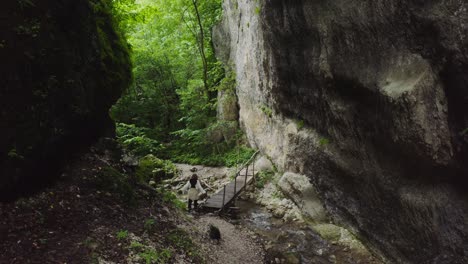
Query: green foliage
{"type": "Point", "coordinates": [122, 234]}
{"type": "Point", "coordinates": [263, 177]}
{"type": "Point", "coordinates": [125, 19]}
{"type": "Point", "coordinates": [141, 145]}
{"type": "Point", "coordinates": [152, 168]}
{"type": "Point", "coordinates": [169, 111]}
{"type": "Point", "coordinates": [228, 83]}
{"type": "Point", "coordinates": [277, 194]}
{"type": "Point", "coordinates": [149, 224]}
{"type": "Point", "coordinates": [114, 49]}
{"type": "Point", "coordinates": [258, 9]}
{"type": "Point", "coordinates": [266, 110]}
{"type": "Point", "coordinates": [136, 245]}
{"type": "Point", "coordinates": [171, 198]}
{"type": "Point", "coordinates": [111, 180]}
{"type": "Point", "coordinates": [299, 124]}
{"type": "Point", "coordinates": [136, 141]}
{"type": "Point", "coordinates": [168, 74]}
{"type": "Point", "coordinates": [238, 155]}
{"type": "Point", "coordinates": [152, 101]}
{"type": "Point", "coordinates": [13, 154]}
{"type": "Point", "coordinates": [151, 256]}
{"type": "Point", "coordinates": [25, 3]}
{"type": "Point", "coordinates": [230, 158]}
{"type": "Point", "coordinates": [197, 108]}
{"type": "Point", "coordinates": [30, 28]}
{"type": "Point", "coordinates": [324, 141]}
{"type": "Point", "coordinates": [182, 241]}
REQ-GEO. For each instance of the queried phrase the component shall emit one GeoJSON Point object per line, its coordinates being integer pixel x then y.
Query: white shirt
{"type": "Point", "coordinates": [188, 185]}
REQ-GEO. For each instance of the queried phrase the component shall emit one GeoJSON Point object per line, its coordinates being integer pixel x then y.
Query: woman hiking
{"type": "Point", "coordinates": [194, 189]}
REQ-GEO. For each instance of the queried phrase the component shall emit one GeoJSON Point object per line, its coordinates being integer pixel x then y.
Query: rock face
{"type": "Point", "coordinates": [369, 100]}
{"type": "Point", "coordinates": [298, 188]}
{"type": "Point", "coordinates": [63, 66]}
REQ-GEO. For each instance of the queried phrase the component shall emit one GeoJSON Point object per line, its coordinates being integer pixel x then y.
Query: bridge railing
{"type": "Point", "coordinates": [238, 174]}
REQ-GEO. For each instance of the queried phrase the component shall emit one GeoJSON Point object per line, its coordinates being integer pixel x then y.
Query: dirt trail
{"type": "Point", "coordinates": [237, 245]}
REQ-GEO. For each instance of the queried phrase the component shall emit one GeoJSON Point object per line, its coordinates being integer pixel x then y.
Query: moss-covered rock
{"type": "Point", "coordinates": [150, 168]}
{"type": "Point", "coordinates": [63, 65]}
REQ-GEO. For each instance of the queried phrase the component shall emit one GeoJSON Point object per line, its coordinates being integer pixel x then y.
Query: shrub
{"type": "Point", "coordinates": [266, 110]}
{"type": "Point", "coordinates": [324, 141]}
{"type": "Point", "coordinates": [258, 10]}
{"type": "Point", "coordinates": [152, 168]}
{"type": "Point", "coordinates": [181, 239]}
{"type": "Point", "coordinates": [136, 245]}
{"type": "Point", "coordinates": [122, 234]}
{"type": "Point", "coordinates": [153, 256]}
{"type": "Point", "coordinates": [299, 124]}
{"type": "Point", "coordinates": [136, 140]}
{"type": "Point", "coordinates": [170, 197]}
{"type": "Point", "coordinates": [263, 178]}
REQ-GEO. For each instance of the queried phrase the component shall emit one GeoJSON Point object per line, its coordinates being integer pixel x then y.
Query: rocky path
{"type": "Point", "coordinates": [269, 228]}
{"type": "Point", "coordinates": [237, 245]}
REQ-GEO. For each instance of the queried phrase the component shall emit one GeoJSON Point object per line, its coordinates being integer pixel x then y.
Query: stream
{"type": "Point", "coordinates": [283, 242]}
{"type": "Point", "coordinates": [293, 242]}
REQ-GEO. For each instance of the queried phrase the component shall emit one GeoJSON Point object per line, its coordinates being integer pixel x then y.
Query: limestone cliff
{"type": "Point", "coordinates": [63, 66]}
{"type": "Point", "coordinates": [369, 100]}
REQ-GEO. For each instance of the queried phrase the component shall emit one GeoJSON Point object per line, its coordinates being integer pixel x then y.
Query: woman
{"type": "Point", "coordinates": [194, 189]}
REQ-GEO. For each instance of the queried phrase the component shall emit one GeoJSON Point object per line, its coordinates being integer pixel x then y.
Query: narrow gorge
{"type": "Point", "coordinates": [358, 111]}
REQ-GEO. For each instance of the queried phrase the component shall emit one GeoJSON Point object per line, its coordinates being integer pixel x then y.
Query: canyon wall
{"type": "Point", "coordinates": [63, 65]}
{"type": "Point", "coordinates": [369, 99]}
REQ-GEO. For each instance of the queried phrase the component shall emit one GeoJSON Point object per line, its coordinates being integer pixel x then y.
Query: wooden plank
{"type": "Point", "coordinates": [216, 201]}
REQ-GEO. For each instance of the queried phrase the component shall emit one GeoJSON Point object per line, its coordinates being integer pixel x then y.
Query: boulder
{"type": "Point", "coordinates": [63, 66]}
{"type": "Point", "coordinates": [299, 189]}
{"type": "Point", "coordinates": [263, 164]}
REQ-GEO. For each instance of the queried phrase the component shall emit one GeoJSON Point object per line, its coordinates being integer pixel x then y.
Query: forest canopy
{"type": "Point", "coordinates": [170, 108]}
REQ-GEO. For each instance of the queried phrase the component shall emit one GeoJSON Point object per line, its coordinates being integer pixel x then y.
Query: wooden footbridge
{"type": "Point", "coordinates": [223, 197]}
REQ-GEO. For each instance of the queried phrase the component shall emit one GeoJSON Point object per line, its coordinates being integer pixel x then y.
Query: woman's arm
{"type": "Point", "coordinates": [186, 187]}
{"type": "Point", "coordinates": [199, 187]}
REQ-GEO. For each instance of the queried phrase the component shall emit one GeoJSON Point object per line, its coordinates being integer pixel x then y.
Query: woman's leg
{"type": "Point", "coordinates": [195, 204]}
{"type": "Point", "coordinates": [189, 204]}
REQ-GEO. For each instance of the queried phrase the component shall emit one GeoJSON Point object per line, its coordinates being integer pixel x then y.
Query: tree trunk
{"type": "Point", "coordinates": [201, 41]}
